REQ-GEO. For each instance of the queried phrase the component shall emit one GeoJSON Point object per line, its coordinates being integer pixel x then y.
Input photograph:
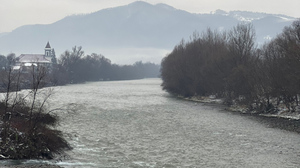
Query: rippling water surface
{"type": "Point", "coordinates": [136, 124]}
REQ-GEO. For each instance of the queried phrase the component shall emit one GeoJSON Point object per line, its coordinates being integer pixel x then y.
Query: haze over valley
{"type": "Point", "coordinates": [149, 83]}
{"type": "Point", "coordinates": [136, 32]}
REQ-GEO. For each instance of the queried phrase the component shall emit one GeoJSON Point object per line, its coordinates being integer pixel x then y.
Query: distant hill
{"type": "Point", "coordinates": [138, 31]}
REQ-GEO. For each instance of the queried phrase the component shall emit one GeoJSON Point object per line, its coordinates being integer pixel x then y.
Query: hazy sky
{"type": "Point", "coordinates": [15, 13]}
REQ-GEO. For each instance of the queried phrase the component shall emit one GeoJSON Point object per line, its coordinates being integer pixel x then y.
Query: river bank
{"type": "Point", "coordinates": [32, 166]}
{"type": "Point", "coordinates": [136, 124]}
{"type": "Point", "coordinates": [284, 120]}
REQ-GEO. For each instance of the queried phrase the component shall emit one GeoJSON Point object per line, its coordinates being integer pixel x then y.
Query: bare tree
{"type": "Point", "coordinates": [27, 126]}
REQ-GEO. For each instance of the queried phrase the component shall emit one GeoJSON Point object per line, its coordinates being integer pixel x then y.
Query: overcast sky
{"type": "Point", "coordinates": [15, 13]}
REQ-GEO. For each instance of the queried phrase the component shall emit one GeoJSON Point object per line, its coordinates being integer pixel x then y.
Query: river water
{"type": "Point", "coordinates": [136, 124]}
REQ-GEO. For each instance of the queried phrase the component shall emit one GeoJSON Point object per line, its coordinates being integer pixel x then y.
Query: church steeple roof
{"type": "Point", "coordinates": [48, 45]}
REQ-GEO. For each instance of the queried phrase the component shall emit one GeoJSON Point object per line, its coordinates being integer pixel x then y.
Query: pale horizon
{"type": "Point", "coordinates": [16, 13]}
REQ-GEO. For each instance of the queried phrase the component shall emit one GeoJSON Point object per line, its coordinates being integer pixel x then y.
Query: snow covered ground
{"type": "Point", "coordinates": [282, 111]}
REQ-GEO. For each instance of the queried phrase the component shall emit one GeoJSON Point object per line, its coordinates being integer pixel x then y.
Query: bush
{"type": "Point", "coordinates": [27, 128]}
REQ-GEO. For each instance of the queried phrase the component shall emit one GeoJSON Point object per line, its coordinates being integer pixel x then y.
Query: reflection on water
{"type": "Point", "coordinates": [136, 124]}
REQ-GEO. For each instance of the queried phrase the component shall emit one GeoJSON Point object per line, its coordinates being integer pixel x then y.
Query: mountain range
{"type": "Point", "coordinates": [134, 32]}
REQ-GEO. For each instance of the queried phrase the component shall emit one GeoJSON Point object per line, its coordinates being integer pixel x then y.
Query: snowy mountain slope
{"type": "Point", "coordinates": [138, 31]}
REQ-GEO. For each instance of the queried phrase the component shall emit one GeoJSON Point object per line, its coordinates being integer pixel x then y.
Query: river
{"type": "Point", "coordinates": [136, 124]}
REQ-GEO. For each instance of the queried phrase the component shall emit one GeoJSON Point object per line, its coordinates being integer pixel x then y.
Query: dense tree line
{"type": "Point", "coordinates": [75, 67]}
{"type": "Point", "coordinates": [230, 66]}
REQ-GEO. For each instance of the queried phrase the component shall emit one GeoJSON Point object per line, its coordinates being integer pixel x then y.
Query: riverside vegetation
{"type": "Point", "coordinates": [230, 66]}
{"type": "Point", "coordinates": [76, 67]}
{"type": "Point", "coordinates": [27, 126]}
{"type": "Point", "coordinates": [227, 65]}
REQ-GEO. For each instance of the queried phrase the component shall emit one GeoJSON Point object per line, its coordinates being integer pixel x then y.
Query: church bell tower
{"type": "Point", "coordinates": [50, 53]}
{"type": "Point", "coordinates": [48, 50]}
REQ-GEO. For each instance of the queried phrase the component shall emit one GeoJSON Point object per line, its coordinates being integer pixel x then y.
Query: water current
{"type": "Point", "coordinates": [136, 124]}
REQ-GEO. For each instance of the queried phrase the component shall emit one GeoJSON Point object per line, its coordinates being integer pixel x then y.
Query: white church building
{"type": "Point", "coordinates": [25, 61]}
